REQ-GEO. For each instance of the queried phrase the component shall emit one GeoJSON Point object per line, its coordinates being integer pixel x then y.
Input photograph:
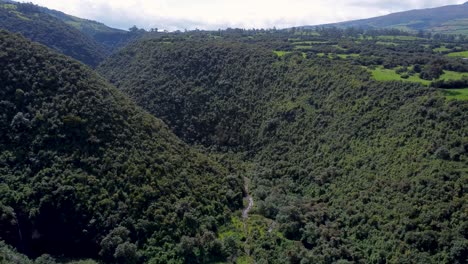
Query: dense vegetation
{"type": "Point", "coordinates": [110, 38]}
{"type": "Point", "coordinates": [353, 143]}
{"type": "Point", "coordinates": [30, 21]}
{"type": "Point", "coordinates": [203, 80]}
{"type": "Point", "coordinates": [344, 168]}
{"type": "Point", "coordinates": [86, 173]}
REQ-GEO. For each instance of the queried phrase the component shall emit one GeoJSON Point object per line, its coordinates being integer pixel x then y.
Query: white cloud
{"type": "Point", "coordinates": [214, 14]}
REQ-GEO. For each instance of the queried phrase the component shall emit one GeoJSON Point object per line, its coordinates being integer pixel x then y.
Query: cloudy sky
{"type": "Point", "coordinates": [214, 14]}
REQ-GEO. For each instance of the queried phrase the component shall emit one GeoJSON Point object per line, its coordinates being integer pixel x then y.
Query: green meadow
{"type": "Point", "coordinates": [456, 94]}
{"type": "Point", "coordinates": [451, 75]}
{"type": "Point", "coordinates": [463, 54]}
{"type": "Point", "coordinates": [382, 74]}
{"type": "Point", "coordinates": [402, 38]}
{"type": "Point", "coordinates": [280, 53]}
{"type": "Point", "coordinates": [441, 49]}
{"type": "Point", "coordinates": [345, 56]}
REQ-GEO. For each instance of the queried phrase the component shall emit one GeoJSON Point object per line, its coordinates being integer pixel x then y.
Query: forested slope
{"type": "Point", "coordinates": [86, 173]}
{"type": "Point", "coordinates": [33, 23]}
{"type": "Point", "coordinates": [351, 169]}
{"type": "Point", "coordinates": [89, 27]}
{"type": "Point", "coordinates": [195, 87]}
{"type": "Point", "coordinates": [110, 38]}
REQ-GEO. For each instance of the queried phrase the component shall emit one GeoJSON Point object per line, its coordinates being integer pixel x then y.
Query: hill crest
{"type": "Point", "coordinates": [452, 19]}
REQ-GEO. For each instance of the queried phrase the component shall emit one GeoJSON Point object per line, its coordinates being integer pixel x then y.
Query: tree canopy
{"type": "Point", "coordinates": [31, 22]}
{"type": "Point", "coordinates": [350, 169]}
{"type": "Point", "coordinates": [86, 173]}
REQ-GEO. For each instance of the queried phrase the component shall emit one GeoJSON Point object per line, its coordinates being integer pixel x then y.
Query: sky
{"type": "Point", "coordinates": [214, 14]}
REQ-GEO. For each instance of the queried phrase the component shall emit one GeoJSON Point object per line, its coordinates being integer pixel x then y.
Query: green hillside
{"type": "Point", "coordinates": [325, 145]}
{"type": "Point", "coordinates": [204, 115]}
{"type": "Point", "coordinates": [452, 19]}
{"type": "Point", "coordinates": [31, 22]}
{"type": "Point", "coordinates": [111, 38]}
{"type": "Point", "coordinates": [343, 168]}
{"type": "Point", "coordinates": [85, 173]}
{"type": "Point", "coordinates": [89, 27]}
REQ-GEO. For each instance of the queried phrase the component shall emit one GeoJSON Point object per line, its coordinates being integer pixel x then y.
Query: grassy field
{"type": "Point", "coordinates": [257, 228]}
{"type": "Point", "coordinates": [381, 74]}
{"type": "Point", "coordinates": [8, 6]}
{"type": "Point", "coordinates": [306, 33]}
{"type": "Point", "coordinates": [456, 94]}
{"type": "Point", "coordinates": [309, 42]}
{"type": "Point", "coordinates": [345, 56]}
{"type": "Point", "coordinates": [342, 56]}
{"type": "Point", "coordinates": [338, 47]}
{"type": "Point", "coordinates": [301, 43]}
{"type": "Point", "coordinates": [403, 38]}
{"type": "Point", "coordinates": [303, 47]}
{"type": "Point", "coordinates": [451, 75]}
{"type": "Point", "coordinates": [441, 49]}
{"type": "Point", "coordinates": [462, 54]}
{"type": "Point", "coordinates": [280, 53]}
{"type": "Point", "coordinates": [20, 15]}
{"type": "Point", "coordinates": [329, 55]}
{"type": "Point", "coordinates": [457, 26]}
{"type": "Point", "coordinates": [245, 260]}
{"type": "Point", "coordinates": [386, 43]}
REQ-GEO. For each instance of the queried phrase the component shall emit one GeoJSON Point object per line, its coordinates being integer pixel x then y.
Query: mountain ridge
{"type": "Point", "coordinates": [31, 22]}
{"type": "Point", "coordinates": [88, 26]}
{"type": "Point", "coordinates": [442, 19]}
{"type": "Point", "coordinates": [86, 40]}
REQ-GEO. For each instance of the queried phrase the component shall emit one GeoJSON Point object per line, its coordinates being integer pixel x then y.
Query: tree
{"type": "Point", "coordinates": [126, 253]}
{"type": "Point", "coordinates": [109, 244]}
{"type": "Point", "coordinates": [310, 235]}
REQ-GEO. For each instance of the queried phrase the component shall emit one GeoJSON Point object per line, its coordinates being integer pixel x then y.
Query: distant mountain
{"type": "Point", "coordinates": [111, 38]}
{"type": "Point", "coordinates": [33, 23]}
{"type": "Point", "coordinates": [85, 40]}
{"type": "Point", "coordinates": [86, 26]}
{"type": "Point", "coordinates": [451, 19]}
